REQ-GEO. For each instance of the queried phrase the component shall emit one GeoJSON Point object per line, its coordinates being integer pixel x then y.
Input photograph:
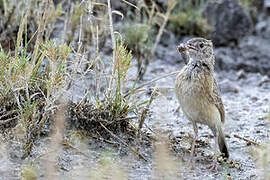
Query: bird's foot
{"type": "Point", "coordinates": [213, 166]}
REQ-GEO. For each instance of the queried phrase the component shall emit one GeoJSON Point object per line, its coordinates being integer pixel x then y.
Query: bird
{"type": "Point", "coordinates": [198, 92]}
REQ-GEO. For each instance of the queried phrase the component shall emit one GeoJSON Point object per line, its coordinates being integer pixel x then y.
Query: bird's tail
{"type": "Point", "coordinates": [222, 143]}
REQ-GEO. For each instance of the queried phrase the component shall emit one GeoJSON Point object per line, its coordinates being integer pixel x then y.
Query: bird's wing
{"type": "Point", "coordinates": [216, 99]}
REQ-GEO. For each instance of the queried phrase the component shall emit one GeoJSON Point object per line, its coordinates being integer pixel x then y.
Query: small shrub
{"type": "Point", "coordinates": [29, 93]}
{"type": "Point", "coordinates": [187, 19]}
{"type": "Point", "coordinates": [139, 38]}
{"type": "Point", "coordinates": [112, 110]}
{"type": "Point", "coordinates": [35, 14]}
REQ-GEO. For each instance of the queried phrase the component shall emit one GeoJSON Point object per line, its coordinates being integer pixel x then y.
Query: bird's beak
{"type": "Point", "coordinates": [185, 47]}
{"type": "Point", "coordinates": [191, 47]}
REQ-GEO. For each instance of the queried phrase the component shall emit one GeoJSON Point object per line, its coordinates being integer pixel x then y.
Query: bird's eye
{"type": "Point", "coordinates": [201, 45]}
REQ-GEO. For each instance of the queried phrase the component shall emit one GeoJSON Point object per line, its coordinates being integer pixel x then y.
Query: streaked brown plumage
{"type": "Point", "coordinates": [198, 92]}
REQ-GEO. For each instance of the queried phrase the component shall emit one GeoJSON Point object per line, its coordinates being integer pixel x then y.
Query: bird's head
{"type": "Point", "coordinates": [198, 50]}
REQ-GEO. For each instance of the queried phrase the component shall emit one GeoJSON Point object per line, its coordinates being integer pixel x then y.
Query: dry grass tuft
{"type": "Point", "coordinates": [89, 118]}
{"type": "Point", "coordinates": [28, 87]}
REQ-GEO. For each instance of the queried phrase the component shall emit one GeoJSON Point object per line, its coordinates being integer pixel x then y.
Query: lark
{"type": "Point", "coordinates": [198, 93]}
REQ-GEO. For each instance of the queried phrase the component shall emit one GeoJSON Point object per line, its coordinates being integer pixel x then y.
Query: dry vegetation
{"type": "Point", "coordinates": [46, 46]}
{"type": "Point", "coordinates": [39, 64]}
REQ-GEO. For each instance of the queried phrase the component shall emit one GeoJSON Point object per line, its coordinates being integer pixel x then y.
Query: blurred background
{"type": "Point", "coordinates": [239, 29]}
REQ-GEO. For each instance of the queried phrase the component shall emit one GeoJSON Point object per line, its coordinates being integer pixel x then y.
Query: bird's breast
{"type": "Point", "coordinates": [193, 96]}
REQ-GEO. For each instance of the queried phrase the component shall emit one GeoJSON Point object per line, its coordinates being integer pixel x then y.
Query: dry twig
{"type": "Point", "coordinates": [149, 82]}
{"type": "Point", "coordinates": [171, 5]}
{"type": "Point", "coordinates": [113, 39]}
{"type": "Point", "coordinates": [124, 143]}
{"type": "Point", "coordinates": [145, 110]}
{"type": "Point", "coordinates": [245, 139]}
{"type": "Point", "coordinates": [131, 4]}
{"type": "Point", "coordinates": [66, 144]}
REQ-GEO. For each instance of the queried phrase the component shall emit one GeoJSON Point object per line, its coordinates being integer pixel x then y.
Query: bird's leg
{"type": "Point", "coordinates": [191, 161]}
{"type": "Point", "coordinates": [213, 166]}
